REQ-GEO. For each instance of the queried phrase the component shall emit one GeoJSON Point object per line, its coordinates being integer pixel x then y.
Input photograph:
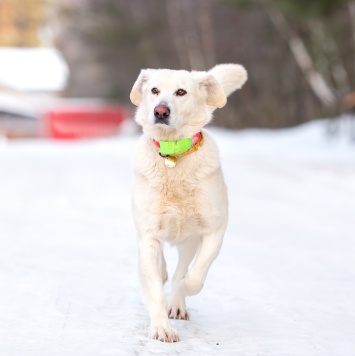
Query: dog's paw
{"type": "Point", "coordinates": [164, 334]}
{"type": "Point", "coordinates": [178, 312]}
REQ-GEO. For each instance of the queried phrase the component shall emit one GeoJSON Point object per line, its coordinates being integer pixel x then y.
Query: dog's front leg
{"type": "Point", "coordinates": [193, 281]}
{"type": "Point", "coordinates": [150, 266]}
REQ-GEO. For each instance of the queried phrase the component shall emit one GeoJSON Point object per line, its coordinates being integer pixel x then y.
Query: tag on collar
{"type": "Point", "coordinates": [170, 161]}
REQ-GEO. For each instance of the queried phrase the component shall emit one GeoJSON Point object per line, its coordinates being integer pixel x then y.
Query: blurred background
{"type": "Point", "coordinates": [285, 280]}
{"type": "Point", "coordinates": [67, 62]}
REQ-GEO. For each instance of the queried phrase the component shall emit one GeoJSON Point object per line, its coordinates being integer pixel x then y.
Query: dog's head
{"type": "Point", "coordinates": [173, 104]}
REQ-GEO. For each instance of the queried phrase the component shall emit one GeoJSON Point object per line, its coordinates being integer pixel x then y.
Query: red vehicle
{"type": "Point", "coordinates": [84, 121]}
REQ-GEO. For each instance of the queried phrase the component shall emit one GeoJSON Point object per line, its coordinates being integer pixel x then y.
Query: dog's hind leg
{"type": "Point", "coordinates": [150, 266]}
{"type": "Point", "coordinates": [187, 252]}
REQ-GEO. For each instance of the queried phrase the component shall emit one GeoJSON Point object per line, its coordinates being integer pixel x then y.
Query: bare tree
{"type": "Point", "coordinates": [174, 17]}
{"type": "Point", "coordinates": [146, 43]}
{"type": "Point", "coordinates": [315, 79]}
{"type": "Point", "coordinates": [205, 21]}
{"type": "Point", "coordinates": [191, 35]}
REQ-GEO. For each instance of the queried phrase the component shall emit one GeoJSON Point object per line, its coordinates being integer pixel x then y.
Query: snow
{"type": "Point", "coordinates": [284, 283]}
{"type": "Point", "coordinates": [33, 69]}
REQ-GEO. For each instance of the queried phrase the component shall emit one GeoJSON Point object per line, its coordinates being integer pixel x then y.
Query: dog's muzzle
{"type": "Point", "coordinates": [161, 114]}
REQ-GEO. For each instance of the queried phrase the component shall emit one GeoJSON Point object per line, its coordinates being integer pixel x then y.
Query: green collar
{"type": "Point", "coordinates": [174, 147]}
{"type": "Point", "coordinates": [177, 147]}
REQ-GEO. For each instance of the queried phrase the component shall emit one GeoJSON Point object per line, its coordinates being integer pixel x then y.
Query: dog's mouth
{"type": "Point", "coordinates": [161, 122]}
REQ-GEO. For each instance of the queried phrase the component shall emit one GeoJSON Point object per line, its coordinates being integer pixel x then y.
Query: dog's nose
{"type": "Point", "coordinates": [161, 113]}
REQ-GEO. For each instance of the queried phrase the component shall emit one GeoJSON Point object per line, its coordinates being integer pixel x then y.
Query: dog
{"type": "Point", "coordinates": [179, 194]}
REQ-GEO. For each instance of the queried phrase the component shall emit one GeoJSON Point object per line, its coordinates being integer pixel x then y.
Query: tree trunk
{"type": "Point", "coordinates": [204, 20]}
{"type": "Point", "coordinates": [192, 40]}
{"type": "Point", "coordinates": [351, 6]}
{"type": "Point", "coordinates": [174, 18]}
{"type": "Point", "coordinates": [145, 44]}
{"type": "Point", "coordinates": [330, 55]}
{"type": "Point", "coordinates": [315, 79]}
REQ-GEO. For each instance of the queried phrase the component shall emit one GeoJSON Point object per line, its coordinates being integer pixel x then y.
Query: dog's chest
{"type": "Point", "coordinates": [179, 195]}
{"type": "Point", "coordinates": [176, 203]}
{"type": "Point", "coordinates": [179, 214]}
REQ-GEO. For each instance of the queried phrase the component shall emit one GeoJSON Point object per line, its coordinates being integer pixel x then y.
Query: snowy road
{"type": "Point", "coordinates": [284, 283]}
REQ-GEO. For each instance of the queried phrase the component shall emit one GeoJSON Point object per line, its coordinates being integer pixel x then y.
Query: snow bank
{"type": "Point", "coordinates": [284, 283]}
{"type": "Point", "coordinates": [33, 69]}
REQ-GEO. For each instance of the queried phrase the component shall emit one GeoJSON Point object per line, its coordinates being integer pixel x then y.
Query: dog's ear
{"type": "Point", "coordinates": [214, 92]}
{"type": "Point", "coordinates": [137, 89]}
{"type": "Point", "coordinates": [230, 76]}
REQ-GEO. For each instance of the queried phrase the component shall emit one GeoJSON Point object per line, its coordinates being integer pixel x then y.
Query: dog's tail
{"type": "Point", "coordinates": [230, 76]}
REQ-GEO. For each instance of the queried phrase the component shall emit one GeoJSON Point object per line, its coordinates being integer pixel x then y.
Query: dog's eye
{"type": "Point", "coordinates": [155, 91]}
{"type": "Point", "coordinates": [180, 92]}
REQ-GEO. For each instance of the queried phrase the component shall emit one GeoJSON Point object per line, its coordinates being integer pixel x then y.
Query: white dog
{"type": "Point", "coordinates": [179, 192]}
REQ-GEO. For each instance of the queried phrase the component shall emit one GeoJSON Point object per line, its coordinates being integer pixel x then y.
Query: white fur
{"type": "Point", "coordinates": [186, 205]}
